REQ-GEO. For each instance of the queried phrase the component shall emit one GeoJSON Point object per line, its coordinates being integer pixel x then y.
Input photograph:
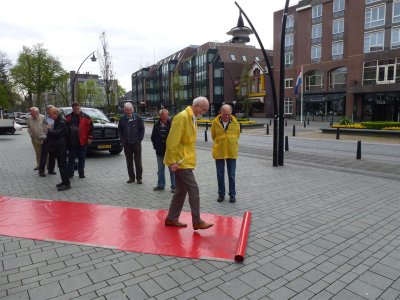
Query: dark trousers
{"type": "Point", "coordinates": [61, 156]}
{"type": "Point", "coordinates": [185, 184]}
{"type": "Point", "coordinates": [134, 153]}
{"type": "Point", "coordinates": [80, 153]}
{"type": "Point", "coordinates": [43, 158]}
{"type": "Point", "coordinates": [231, 169]}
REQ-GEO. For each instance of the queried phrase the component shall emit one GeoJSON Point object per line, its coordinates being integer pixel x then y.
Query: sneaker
{"type": "Point", "coordinates": [64, 187]}
{"type": "Point", "coordinates": [220, 198]}
{"type": "Point", "coordinates": [130, 180]}
{"type": "Point", "coordinates": [42, 174]}
{"type": "Point", "coordinates": [60, 184]}
{"type": "Point", "coordinates": [81, 175]}
{"type": "Point", "coordinates": [52, 173]}
{"type": "Point", "coordinates": [37, 168]}
{"type": "Point", "coordinates": [139, 181]}
{"type": "Point", "coordinates": [157, 188]}
{"type": "Point", "coordinates": [232, 199]}
{"type": "Point", "coordinates": [173, 190]}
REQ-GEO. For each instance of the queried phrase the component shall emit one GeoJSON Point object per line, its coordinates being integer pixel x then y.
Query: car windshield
{"type": "Point", "coordinates": [97, 115]}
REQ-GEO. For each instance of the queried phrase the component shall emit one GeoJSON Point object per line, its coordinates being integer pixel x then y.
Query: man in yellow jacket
{"type": "Point", "coordinates": [225, 132]}
{"type": "Point", "coordinates": [180, 157]}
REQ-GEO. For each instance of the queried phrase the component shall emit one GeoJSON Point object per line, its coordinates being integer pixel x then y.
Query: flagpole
{"type": "Point", "coordinates": [301, 96]}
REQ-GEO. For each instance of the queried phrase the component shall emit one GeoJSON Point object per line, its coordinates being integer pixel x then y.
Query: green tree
{"type": "Point", "coordinates": [5, 85]}
{"type": "Point", "coordinates": [35, 72]}
{"type": "Point", "coordinates": [244, 90]}
{"type": "Point", "coordinates": [90, 94]}
{"type": "Point", "coordinates": [177, 90]}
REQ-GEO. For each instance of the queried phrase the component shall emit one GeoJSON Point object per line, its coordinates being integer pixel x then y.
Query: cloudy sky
{"type": "Point", "coordinates": [139, 32]}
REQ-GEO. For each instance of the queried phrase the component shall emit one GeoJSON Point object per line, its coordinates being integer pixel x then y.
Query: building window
{"type": "Point", "coordinates": [288, 59]}
{"type": "Point", "coordinates": [289, 40]}
{"type": "Point", "coordinates": [374, 16]}
{"type": "Point", "coordinates": [395, 43]}
{"type": "Point", "coordinates": [338, 5]}
{"type": "Point", "coordinates": [374, 41]}
{"type": "Point", "coordinates": [288, 83]}
{"type": "Point", "coordinates": [233, 57]}
{"type": "Point", "coordinates": [314, 81]}
{"type": "Point", "coordinates": [337, 26]}
{"type": "Point", "coordinates": [244, 58]}
{"type": "Point", "coordinates": [381, 71]}
{"type": "Point", "coordinates": [316, 31]}
{"type": "Point", "coordinates": [337, 49]}
{"type": "Point", "coordinates": [338, 78]}
{"type": "Point", "coordinates": [218, 73]}
{"type": "Point", "coordinates": [218, 90]}
{"type": "Point", "coordinates": [317, 11]}
{"type": "Point", "coordinates": [257, 58]}
{"type": "Point", "coordinates": [396, 11]}
{"type": "Point", "coordinates": [288, 106]}
{"type": "Point", "coordinates": [316, 53]}
{"type": "Point", "coordinates": [370, 1]}
{"type": "Point", "coordinates": [289, 21]}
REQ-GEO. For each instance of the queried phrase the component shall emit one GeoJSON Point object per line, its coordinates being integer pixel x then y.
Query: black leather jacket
{"type": "Point", "coordinates": [58, 134]}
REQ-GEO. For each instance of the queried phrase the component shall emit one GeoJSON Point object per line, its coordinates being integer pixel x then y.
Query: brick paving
{"type": "Point", "coordinates": [322, 229]}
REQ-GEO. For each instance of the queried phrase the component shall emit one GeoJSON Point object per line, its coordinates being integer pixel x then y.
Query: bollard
{"type": "Point", "coordinates": [304, 123]}
{"type": "Point", "coordinates": [154, 121]}
{"type": "Point", "coordinates": [294, 130]}
{"type": "Point", "coordinates": [337, 133]}
{"type": "Point", "coordinates": [205, 136]}
{"type": "Point", "coordinates": [206, 126]}
{"type": "Point", "coordinates": [270, 122]}
{"type": "Point", "coordinates": [267, 129]}
{"type": "Point", "coordinates": [308, 121]}
{"type": "Point", "coordinates": [358, 150]}
{"type": "Point", "coordinates": [285, 123]}
{"type": "Point", "coordinates": [240, 128]}
{"type": "Point", "coordinates": [286, 143]}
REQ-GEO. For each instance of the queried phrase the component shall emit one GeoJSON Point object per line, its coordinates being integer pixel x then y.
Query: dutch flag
{"type": "Point", "coordinates": [298, 82]}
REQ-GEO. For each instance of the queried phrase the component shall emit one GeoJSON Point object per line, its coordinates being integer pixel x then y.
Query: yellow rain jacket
{"type": "Point", "coordinates": [181, 141]}
{"type": "Point", "coordinates": [226, 143]}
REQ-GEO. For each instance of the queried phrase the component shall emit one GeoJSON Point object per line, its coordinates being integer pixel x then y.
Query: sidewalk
{"type": "Point", "coordinates": [315, 233]}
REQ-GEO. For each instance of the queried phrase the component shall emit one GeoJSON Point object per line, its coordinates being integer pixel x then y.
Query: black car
{"type": "Point", "coordinates": [105, 134]}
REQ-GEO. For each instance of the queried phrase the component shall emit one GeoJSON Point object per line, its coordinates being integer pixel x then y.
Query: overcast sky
{"type": "Point", "coordinates": [139, 32]}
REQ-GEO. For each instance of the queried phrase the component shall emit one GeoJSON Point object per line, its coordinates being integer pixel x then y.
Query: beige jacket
{"type": "Point", "coordinates": [37, 128]}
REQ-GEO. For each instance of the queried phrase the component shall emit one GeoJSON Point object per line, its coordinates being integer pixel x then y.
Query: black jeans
{"type": "Point", "coordinates": [61, 156]}
{"type": "Point", "coordinates": [134, 153]}
{"type": "Point", "coordinates": [43, 158]}
{"type": "Point", "coordinates": [80, 153]}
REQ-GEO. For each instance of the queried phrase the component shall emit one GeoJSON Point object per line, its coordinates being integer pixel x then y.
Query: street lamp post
{"type": "Point", "coordinates": [93, 58]}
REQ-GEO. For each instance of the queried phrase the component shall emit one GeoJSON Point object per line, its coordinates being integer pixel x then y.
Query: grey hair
{"type": "Point", "coordinates": [128, 105]}
{"type": "Point", "coordinates": [199, 100]}
{"type": "Point", "coordinates": [34, 108]}
{"type": "Point", "coordinates": [55, 109]}
{"type": "Point", "coordinates": [163, 110]}
{"type": "Point", "coordinates": [228, 106]}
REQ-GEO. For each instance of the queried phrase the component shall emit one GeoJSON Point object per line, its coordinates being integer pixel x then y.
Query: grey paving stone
{"type": "Point", "coordinates": [135, 292]}
{"type": "Point", "coordinates": [151, 287]}
{"type": "Point", "coordinates": [390, 294]}
{"type": "Point", "coordinates": [386, 271]}
{"type": "Point", "coordinates": [214, 293]}
{"type": "Point", "coordinates": [75, 283]}
{"type": "Point", "coordinates": [347, 295]}
{"type": "Point", "coordinates": [298, 285]}
{"type": "Point", "coordinates": [287, 263]}
{"type": "Point", "coordinates": [102, 274]}
{"type": "Point", "coordinates": [255, 279]}
{"type": "Point", "coordinates": [109, 289]}
{"type": "Point", "coordinates": [190, 294]}
{"type": "Point", "coordinates": [282, 293]}
{"type": "Point", "coordinates": [22, 275]}
{"type": "Point", "coordinates": [128, 266]}
{"type": "Point", "coordinates": [18, 296]}
{"type": "Point", "coordinates": [47, 291]}
{"type": "Point", "coordinates": [272, 271]}
{"type": "Point", "coordinates": [236, 288]}
{"type": "Point", "coordinates": [16, 262]}
{"type": "Point", "coordinates": [364, 289]}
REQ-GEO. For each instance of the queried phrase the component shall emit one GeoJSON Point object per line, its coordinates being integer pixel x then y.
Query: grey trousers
{"type": "Point", "coordinates": [185, 184]}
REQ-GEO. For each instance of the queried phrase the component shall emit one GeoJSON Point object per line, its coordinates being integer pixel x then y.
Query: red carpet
{"type": "Point", "coordinates": [127, 229]}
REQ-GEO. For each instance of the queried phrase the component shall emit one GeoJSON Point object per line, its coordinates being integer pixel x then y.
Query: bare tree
{"type": "Point", "coordinates": [106, 69]}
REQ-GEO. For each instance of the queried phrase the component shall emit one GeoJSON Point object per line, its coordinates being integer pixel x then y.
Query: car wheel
{"type": "Point", "coordinates": [116, 151]}
{"type": "Point", "coordinates": [11, 131]}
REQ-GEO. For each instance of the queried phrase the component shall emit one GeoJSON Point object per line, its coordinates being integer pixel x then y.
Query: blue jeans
{"type": "Point", "coordinates": [231, 168]}
{"type": "Point", "coordinates": [80, 153]}
{"type": "Point", "coordinates": [161, 174]}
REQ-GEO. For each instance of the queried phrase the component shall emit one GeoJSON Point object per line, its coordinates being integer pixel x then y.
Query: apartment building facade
{"type": "Point", "coordinates": [349, 51]}
{"type": "Point", "coordinates": [214, 70]}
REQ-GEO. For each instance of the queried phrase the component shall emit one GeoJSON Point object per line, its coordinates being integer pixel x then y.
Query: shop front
{"type": "Point", "coordinates": [381, 107]}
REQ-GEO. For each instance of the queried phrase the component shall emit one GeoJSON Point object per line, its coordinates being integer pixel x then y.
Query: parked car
{"type": "Point", "coordinates": [105, 133]}
{"type": "Point", "coordinates": [17, 127]}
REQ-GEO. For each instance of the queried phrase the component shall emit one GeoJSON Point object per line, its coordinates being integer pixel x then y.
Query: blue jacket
{"type": "Point", "coordinates": [131, 130]}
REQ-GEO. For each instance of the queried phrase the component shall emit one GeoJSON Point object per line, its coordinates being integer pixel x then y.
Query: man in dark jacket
{"type": "Point", "coordinates": [81, 127]}
{"type": "Point", "coordinates": [131, 132]}
{"type": "Point", "coordinates": [159, 138]}
{"type": "Point", "coordinates": [57, 141]}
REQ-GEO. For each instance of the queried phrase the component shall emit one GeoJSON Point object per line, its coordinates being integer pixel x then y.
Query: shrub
{"type": "Point", "coordinates": [345, 121]}
{"type": "Point", "coordinates": [380, 125]}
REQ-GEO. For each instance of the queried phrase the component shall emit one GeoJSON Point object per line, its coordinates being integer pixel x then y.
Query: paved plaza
{"type": "Point", "coordinates": [324, 226]}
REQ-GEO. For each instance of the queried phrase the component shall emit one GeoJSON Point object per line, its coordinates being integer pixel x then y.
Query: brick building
{"type": "Point", "coordinates": [350, 54]}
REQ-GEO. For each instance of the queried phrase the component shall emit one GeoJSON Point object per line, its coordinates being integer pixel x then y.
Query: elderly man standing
{"type": "Point", "coordinates": [180, 156]}
{"type": "Point", "coordinates": [36, 129]}
{"type": "Point", "coordinates": [46, 157]}
{"type": "Point", "coordinates": [159, 139]}
{"type": "Point", "coordinates": [131, 132]}
{"type": "Point", "coordinates": [225, 132]}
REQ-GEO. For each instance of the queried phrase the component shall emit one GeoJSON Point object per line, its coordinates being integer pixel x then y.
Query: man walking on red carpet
{"type": "Point", "coordinates": [180, 156]}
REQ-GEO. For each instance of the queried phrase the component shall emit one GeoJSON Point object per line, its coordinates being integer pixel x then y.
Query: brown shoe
{"type": "Point", "coordinates": [202, 225]}
{"type": "Point", "coordinates": [174, 223]}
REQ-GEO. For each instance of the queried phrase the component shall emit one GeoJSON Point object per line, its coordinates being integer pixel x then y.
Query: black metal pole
{"type": "Point", "coordinates": [274, 96]}
{"type": "Point", "coordinates": [76, 74]}
{"type": "Point", "coordinates": [358, 150]}
{"type": "Point", "coordinates": [282, 87]}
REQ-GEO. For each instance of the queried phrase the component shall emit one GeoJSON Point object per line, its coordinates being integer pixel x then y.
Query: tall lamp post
{"type": "Point", "coordinates": [278, 110]}
{"type": "Point", "coordinates": [93, 58]}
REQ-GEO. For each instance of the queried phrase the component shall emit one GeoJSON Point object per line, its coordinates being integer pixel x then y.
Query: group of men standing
{"type": "Point", "coordinates": [58, 138]}
{"type": "Point", "coordinates": [173, 141]}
